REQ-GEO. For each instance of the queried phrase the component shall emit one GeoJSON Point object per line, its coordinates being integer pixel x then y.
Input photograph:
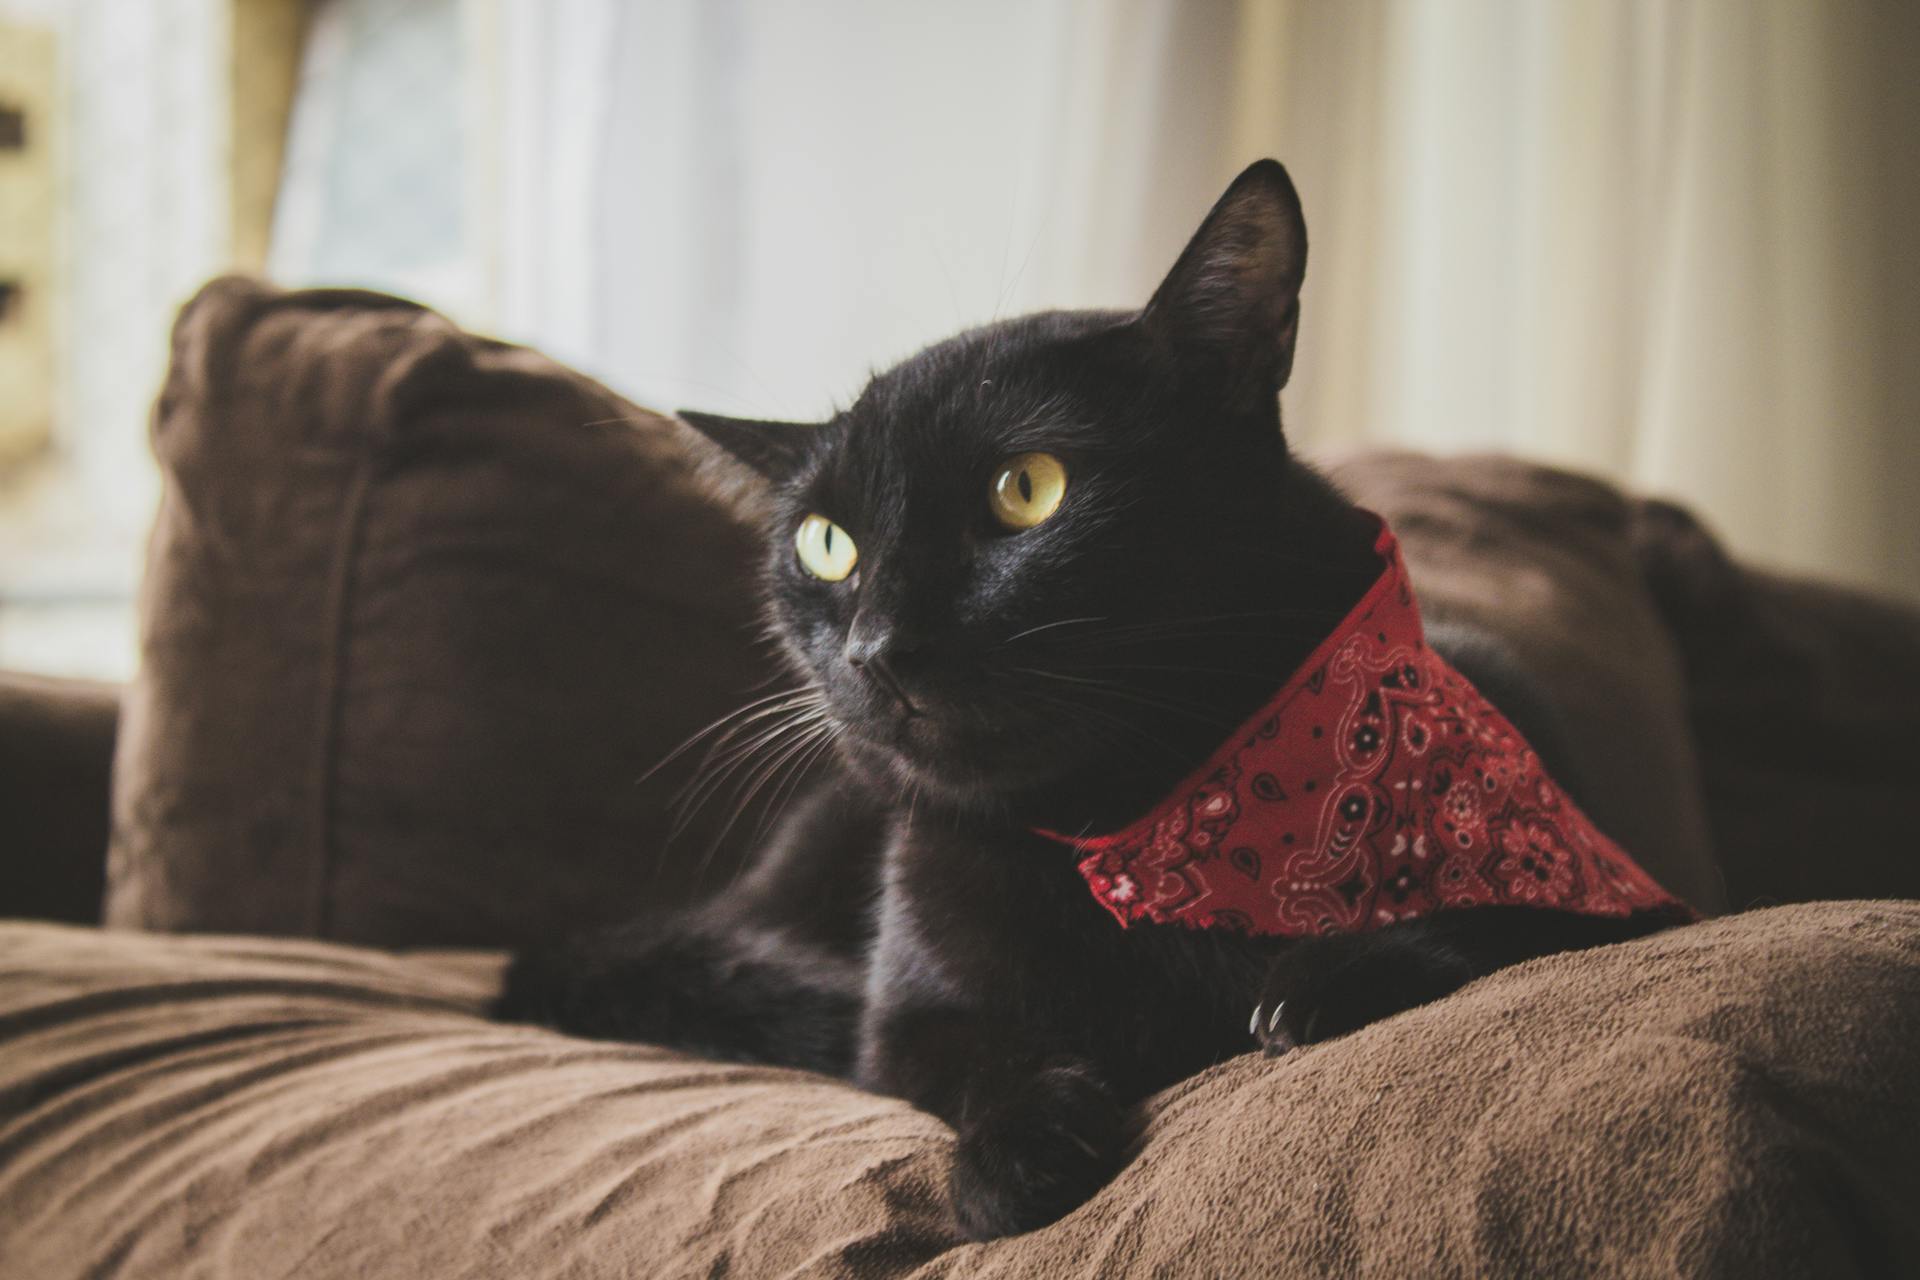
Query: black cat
{"type": "Point", "coordinates": [1030, 579]}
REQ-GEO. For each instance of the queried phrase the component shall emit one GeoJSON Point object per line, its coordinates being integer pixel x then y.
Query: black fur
{"type": "Point", "coordinates": [906, 927]}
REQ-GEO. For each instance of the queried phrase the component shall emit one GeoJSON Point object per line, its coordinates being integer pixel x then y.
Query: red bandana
{"type": "Point", "coordinates": [1377, 785]}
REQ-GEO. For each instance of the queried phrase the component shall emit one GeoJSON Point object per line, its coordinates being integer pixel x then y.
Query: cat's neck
{"type": "Point", "coordinates": [1304, 568]}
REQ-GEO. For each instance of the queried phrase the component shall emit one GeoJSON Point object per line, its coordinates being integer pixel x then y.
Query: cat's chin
{"type": "Point", "coordinates": [964, 769]}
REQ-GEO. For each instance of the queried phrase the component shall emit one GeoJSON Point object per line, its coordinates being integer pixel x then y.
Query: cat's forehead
{"type": "Point", "coordinates": [1012, 386]}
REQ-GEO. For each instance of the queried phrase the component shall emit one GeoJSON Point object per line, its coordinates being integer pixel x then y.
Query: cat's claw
{"type": "Point", "coordinates": [1274, 1038]}
{"type": "Point", "coordinates": [1330, 986]}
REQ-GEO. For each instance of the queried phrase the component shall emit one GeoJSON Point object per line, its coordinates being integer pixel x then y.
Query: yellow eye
{"type": "Point", "coordinates": [1027, 490]}
{"type": "Point", "coordinates": [825, 549]}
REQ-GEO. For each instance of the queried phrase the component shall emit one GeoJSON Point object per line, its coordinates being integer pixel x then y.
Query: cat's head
{"type": "Point", "coordinates": [1062, 553]}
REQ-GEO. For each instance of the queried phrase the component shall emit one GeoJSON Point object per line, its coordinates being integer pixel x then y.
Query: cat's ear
{"type": "Point", "coordinates": [1234, 295]}
{"type": "Point", "coordinates": [774, 449]}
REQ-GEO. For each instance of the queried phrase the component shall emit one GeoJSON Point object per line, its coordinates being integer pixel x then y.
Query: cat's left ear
{"type": "Point", "coordinates": [1233, 298]}
{"type": "Point", "coordinates": [774, 449]}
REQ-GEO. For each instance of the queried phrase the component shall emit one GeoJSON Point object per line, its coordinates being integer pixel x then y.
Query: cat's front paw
{"type": "Point", "coordinates": [1037, 1153]}
{"type": "Point", "coordinates": [1321, 988]}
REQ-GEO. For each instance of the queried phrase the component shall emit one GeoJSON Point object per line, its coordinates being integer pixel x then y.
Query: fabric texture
{"type": "Point", "coordinates": [1732, 1097]}
{"type": "Point", "coordinates": [56, 752]}
{"type": "Point", "coordinates": [1549, 563]}
{"type": "Point", "coordinates": [1803, 699]}
{"type": "Point", "coordinates": [1377, 785]}
{"type": "Point", "coordinates": [420, 611]}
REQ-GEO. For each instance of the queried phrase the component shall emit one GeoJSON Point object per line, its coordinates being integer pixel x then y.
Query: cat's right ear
{"type": "Point", "coordinates": [774, 449]}
{"type": "Point", "coordinates": [1233, 298]}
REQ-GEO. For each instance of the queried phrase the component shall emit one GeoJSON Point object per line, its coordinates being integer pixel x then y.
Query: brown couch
{"type": "Point", "coordinates": [422, 607]}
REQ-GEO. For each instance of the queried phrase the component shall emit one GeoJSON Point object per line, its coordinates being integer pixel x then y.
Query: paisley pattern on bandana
{"type": "Point", "coordinates": [1377, 786]}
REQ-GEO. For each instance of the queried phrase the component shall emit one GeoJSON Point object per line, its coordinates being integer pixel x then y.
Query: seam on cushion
{"type": "Point", "coordinates": [437, 354]}
{"type": "Point", "coordinates": [331, 683]}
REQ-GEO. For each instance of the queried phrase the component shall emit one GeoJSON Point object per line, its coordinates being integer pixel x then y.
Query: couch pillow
{"type": "Point", "coordinates": [1732, 1099]}
{"type": "Point", "coordinates": [420, 611]}
{"type": "Point", "coordinates": [56, 747]}
{"type": "Point", "coordinates": [1803, 698]}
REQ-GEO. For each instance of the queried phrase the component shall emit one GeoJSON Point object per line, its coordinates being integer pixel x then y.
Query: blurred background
{"type": "Point", "coordinates": [1669, 242]}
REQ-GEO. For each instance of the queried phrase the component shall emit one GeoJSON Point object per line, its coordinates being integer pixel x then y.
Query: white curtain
{"type": "Point", "coordinates": [745, 204]}
{"type": "Point", "coordinates": [1668, 242]}
{"type": "Point", "coordinates": [1671, 243]}
{"type": "Point", "coordinates": [141, 216]}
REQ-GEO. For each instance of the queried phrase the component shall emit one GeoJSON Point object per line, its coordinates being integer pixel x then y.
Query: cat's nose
{"type": "Point", "coordinates": [884, 653]}
{"type": "Point", "coordinates": [885, 646]}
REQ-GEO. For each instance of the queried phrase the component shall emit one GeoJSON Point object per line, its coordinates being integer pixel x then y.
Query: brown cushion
{"type": "Point", "coordinates": [1732, 1098]}
{"type": "Point", "coordinates": [1804, 699]}
{"type": "Point", "coordinates": [420, 611]}
{"type": "Point", "coordinates": [1548, 561]}
{"type": "Point", "coordinates": [56, 750]}
{"type": "Point", "coordinates": [422, 608]}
